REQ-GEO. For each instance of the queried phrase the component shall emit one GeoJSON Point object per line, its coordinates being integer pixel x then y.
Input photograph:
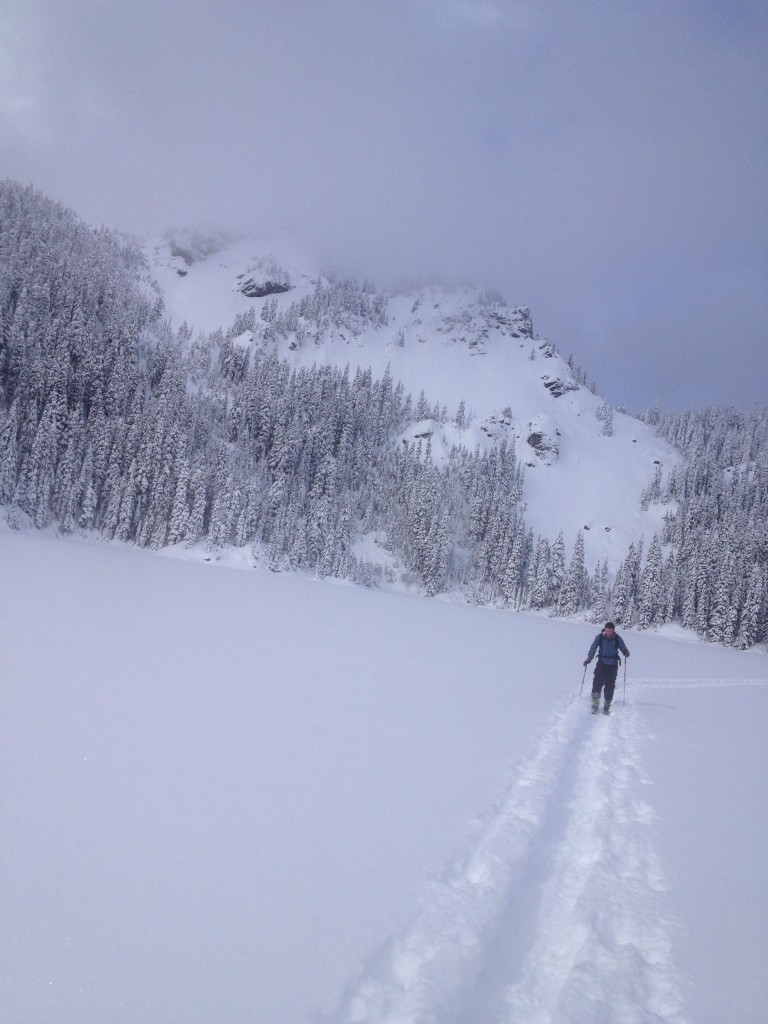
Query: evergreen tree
{"type": "Point", "coordinates": [600, 593]}
{"type": "Point", "coordinates": [724, 606]}
{"type": "Point", "coordinates": [573, 591]}
{"type": "Point", "coordinates": [540, 576]}
{"type": "Point", "coordinates": [87, 491]}
{"type": "Point", "coordinates": [650, 591]}
{"type": "Point", "coordinates": [748, 632]}
{"type": "Point", "coordinates": [607, 430]}
{"type": "Point", "coordinates": [9, 454]}
{"type": "Point", "coordinates": [179, 525]}
{"type": "Point", "coordinates": [556, 569]}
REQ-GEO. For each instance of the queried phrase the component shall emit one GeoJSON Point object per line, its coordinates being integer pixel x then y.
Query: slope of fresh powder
{"type": "Point", "coordinates": [233, 796]}
{"type": "Point", "coordinates": [205, 293]}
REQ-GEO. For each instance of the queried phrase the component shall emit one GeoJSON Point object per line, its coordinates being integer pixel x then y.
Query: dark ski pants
{"type": "Point", "coordinates": [605, 676]}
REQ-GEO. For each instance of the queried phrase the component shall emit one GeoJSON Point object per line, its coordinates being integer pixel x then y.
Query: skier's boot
{"type": "Point", "coordinates": [607, 708]}
{"type": "Point", "coordinates": [595, 702]}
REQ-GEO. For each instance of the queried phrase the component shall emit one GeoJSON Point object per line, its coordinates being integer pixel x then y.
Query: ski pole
{"type": "Point", "coordinates": [582, 681]}
{"type": "Point", "coordinates": [625, 683]}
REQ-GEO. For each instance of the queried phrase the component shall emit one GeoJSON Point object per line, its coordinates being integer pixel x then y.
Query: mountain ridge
{"type": "Point", "coordinates": [463, 345]}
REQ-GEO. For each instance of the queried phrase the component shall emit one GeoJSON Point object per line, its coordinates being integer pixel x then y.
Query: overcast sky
{"type": "Point", "coordinates": [602, 162]}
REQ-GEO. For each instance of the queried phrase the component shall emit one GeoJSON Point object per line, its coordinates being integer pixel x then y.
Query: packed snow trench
{"type": "Point", "coordinates": [234, 797]}
{"type": "Point", "coordinates": [558, 913]}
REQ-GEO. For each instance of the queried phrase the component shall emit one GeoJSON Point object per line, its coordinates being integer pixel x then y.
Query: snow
{"type": "Point", "coordinates": [206, 292]}
{"type": "Point", "coordinates": [234, 796]}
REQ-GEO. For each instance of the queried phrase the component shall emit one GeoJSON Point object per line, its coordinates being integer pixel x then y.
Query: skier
{"type": "Point", "coordinates": [607, 644]}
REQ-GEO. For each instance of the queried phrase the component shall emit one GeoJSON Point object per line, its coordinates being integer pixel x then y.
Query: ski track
{"type": "Point", "coordinates": [644, 684]}
{"type": "Point", "coordinates": [557, 912]}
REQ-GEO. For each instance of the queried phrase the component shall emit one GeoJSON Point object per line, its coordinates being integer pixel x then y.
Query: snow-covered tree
{"type": "Point", "coordinates": [573, 591]}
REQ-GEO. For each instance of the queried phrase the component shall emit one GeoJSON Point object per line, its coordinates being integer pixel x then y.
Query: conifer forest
{"type": "Point", "coordinates": [114, 421]}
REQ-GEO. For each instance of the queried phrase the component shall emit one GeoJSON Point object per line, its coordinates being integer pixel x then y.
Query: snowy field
{"type": "Point", "coordinates": [233, 797]}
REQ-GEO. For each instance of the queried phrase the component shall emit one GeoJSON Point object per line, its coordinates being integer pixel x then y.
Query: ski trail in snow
{"type": "Point", "coordinates": [420, 976]}
{"type": "Point", "coordinates": [557, 914]}
{"type": "Point", "coordinates": [644, 684]}
{"type": "Point", "coordinates": [603, 949]}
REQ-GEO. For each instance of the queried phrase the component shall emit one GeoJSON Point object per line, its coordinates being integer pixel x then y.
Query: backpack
{"type": "Point", "coordinates": [616, 642]}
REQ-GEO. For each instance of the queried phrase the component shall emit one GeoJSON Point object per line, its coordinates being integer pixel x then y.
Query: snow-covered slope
{"type": "Point", "coordinates": [235, 797]}
{"type": "Point", "coordinates": [201, 277]}
{"type": "Point", "coordinates": [460, 345]}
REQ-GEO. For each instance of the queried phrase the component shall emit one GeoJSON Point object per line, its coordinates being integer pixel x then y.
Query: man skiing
{"type": "Point", "coordinates": [607, 645]}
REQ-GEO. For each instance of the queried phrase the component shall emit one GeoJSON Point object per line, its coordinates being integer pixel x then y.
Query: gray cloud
{"type": "Point", "coordinates": [602, 163]}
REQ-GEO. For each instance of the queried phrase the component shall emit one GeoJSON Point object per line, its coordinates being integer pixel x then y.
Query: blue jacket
{"type": "Point", "coordinates": [609, 649]}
